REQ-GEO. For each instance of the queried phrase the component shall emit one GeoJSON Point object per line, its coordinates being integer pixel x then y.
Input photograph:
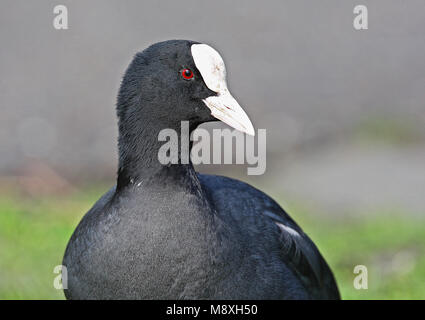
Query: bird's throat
{"type": "Point", "coordinates": [143, 156]}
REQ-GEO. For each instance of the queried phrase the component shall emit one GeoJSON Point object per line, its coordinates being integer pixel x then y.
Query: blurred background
{"type": "Point", "coordinates": [344, 112]}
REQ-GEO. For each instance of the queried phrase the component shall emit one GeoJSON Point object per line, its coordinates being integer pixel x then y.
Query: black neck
{"type": "Point", "coordinates": [138, 154]}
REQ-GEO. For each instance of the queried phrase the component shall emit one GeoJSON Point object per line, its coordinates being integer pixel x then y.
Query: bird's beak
{"type": "Point", "coordinates": [222, 105]}
{"type": "Point", "coordinates": [225, 108]}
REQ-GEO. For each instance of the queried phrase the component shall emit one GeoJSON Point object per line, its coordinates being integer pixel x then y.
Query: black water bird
{"type": "Point", "coordinates": [167, 232]}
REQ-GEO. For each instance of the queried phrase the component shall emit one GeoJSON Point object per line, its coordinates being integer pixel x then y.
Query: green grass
{"type": "Point", "coordinates": [390, 245]}
{"type": "Point", "coordinates": [34, 233]}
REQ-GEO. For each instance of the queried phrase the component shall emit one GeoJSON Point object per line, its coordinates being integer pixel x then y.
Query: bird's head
{"type": "Point", "coordinates": [179, 80]}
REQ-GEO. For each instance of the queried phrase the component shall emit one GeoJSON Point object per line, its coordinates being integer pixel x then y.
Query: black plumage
{"type": "Point", "coordinates": [167, 232]}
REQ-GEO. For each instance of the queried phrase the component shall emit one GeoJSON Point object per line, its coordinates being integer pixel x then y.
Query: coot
{"type": "Point", "coordinates": [167, 232]}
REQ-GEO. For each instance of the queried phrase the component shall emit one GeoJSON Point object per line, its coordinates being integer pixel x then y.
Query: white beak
{"type": "Point", "coordinates": [223, 106]}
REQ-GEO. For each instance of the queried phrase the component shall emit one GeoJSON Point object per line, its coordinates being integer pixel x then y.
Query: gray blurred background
{"type": "Point", "coordinates": [344, 109]}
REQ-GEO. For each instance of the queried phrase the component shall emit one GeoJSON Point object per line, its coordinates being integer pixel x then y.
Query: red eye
{"type": "Point", "coordinates": [187, 74]}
